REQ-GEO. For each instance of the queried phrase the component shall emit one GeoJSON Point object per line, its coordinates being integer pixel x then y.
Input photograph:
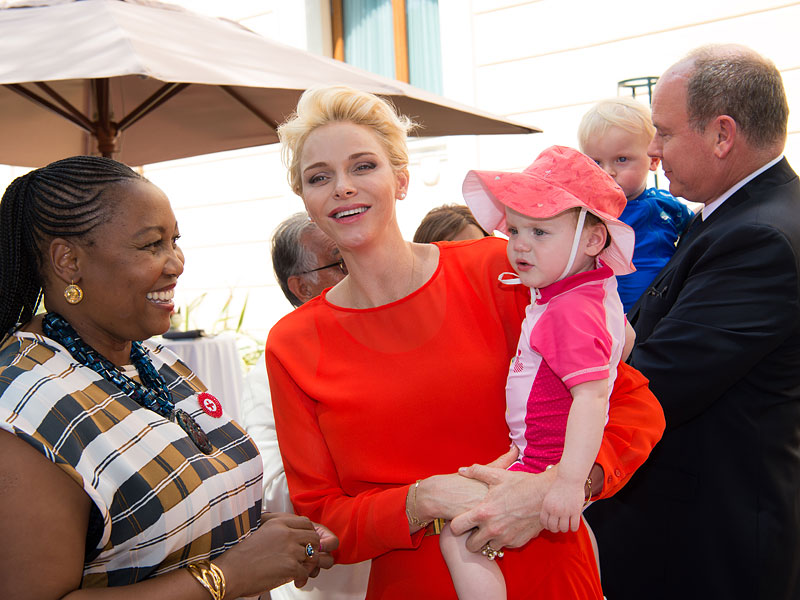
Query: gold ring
{"type": "Point", "coordinates": [309, 551]}
{"type": "Point", "coordinates": [490, 552]}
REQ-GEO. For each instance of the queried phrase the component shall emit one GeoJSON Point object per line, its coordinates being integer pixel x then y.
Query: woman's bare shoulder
{"type": "Point", "coordinates": [46, 513]}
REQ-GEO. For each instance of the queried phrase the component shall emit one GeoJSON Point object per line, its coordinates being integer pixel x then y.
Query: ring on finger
{"type": "Point", "coordinates": [490, 552]}
{"type": "Point", "coordinates": [310, 551]}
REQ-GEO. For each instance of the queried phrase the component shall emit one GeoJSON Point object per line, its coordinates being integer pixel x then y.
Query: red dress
{"type": "Point", "coordinates": [368, 401]}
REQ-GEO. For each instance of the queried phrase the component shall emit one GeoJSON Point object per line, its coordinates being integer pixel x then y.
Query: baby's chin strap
{"type": "Point", "coordinates": [575, 241]}
{"type": "Point", "coordinates": [509, 278]}
{"type": "Point", "coordinates": [513, 278]}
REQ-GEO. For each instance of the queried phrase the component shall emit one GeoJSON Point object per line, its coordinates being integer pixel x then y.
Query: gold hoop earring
{"type": "Point", "coordinates": [73, 293]}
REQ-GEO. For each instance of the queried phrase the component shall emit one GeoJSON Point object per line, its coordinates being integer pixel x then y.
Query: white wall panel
{"type": "Point", "coordinates": [534, 29]}
{"type": "Point", "coordinates": [584, 74]}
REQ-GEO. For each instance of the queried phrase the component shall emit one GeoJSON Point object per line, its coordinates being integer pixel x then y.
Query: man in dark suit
{"type": "Point", "coordinates": [715, 512]}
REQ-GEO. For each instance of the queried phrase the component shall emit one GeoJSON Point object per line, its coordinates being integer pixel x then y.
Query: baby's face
{"type": "Point", "coordinates": [539, 249]}
{"type": "Point", "coordinates": [623, 155]}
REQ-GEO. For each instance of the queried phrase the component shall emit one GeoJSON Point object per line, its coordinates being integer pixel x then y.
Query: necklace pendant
{"type": "Point", "coordinates": [193, 430]}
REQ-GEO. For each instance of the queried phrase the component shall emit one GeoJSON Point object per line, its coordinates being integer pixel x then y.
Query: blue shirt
{"type": "Point", "coordinates": [658, 219]}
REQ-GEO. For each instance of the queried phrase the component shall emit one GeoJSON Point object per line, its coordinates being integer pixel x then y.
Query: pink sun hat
{"type": "Point", "coordinates": [559, 179]}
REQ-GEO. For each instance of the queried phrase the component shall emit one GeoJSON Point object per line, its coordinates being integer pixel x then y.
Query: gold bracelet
{"type": "Point", "coordinates": [587, 491]}
{"type": "Point", "coordinates": [210, 576]}
{"type": "Point", "coordinates": [412, 515]}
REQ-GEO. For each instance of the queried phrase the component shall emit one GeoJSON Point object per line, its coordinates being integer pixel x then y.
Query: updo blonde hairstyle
{"type": "Point", "coordinates": [339, 103]}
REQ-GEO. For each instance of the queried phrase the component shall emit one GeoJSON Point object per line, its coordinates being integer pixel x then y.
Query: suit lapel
{"type": "Point", "coordinates": [694, 224]}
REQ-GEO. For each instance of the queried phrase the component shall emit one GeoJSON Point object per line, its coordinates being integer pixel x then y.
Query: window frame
{"type": "Point", "coordinates": [401, 70]}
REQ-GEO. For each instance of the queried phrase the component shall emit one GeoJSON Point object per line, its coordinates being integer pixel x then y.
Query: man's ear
{"type": "Point", "coordinates": [724, 130]}
{"type": "Point", "coordinates": [298, 286]}
{"type": "Point", "coordinates": [596, 243]}
{"type": "Point", "coordinates": [64, 261]}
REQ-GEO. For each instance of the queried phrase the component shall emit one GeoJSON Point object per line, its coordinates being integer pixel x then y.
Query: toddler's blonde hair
{"type": "Point", "coordinates": [626, 113]}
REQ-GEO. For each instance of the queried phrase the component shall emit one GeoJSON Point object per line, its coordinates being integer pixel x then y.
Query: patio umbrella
{"type": "Point", "coordinates": [146, 82]}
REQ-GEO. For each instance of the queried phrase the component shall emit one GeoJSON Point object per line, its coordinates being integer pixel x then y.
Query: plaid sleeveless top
{"type": "Point", "coordinates": [162, 502]}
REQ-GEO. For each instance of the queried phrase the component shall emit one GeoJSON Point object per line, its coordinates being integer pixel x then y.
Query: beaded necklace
{"type": "Point", "coordinates": [153, 395]}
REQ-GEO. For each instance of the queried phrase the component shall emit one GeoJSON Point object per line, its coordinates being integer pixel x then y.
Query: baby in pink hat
{"type": "Point", "coordinates": [566, 243]}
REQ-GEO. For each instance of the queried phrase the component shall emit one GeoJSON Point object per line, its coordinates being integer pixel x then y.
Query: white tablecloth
{"type": "Point", "coordinates": [216, 362]}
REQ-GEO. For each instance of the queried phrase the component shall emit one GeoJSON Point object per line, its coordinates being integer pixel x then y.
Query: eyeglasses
{"type": "Point", "coordinates": [339, 263]}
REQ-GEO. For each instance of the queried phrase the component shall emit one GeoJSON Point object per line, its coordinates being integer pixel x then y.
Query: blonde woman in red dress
{"type": "Point", "coordinates": [394, 378]}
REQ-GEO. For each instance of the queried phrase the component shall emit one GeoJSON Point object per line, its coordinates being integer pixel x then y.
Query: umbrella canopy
{"type": "Point", "coordinates": [146, 82]}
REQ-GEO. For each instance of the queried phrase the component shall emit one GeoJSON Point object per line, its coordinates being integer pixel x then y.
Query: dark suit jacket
{"type": "Point", "coordinates": [715, 512]}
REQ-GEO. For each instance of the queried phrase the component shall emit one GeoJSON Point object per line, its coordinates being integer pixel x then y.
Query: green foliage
{"type": "Point", "coordinates": [186, 314]}
{"type": "Point", "coordinates": [249, 346]}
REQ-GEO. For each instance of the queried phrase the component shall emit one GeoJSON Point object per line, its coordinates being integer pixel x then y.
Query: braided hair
{"type": "Point", "coordinates": [67, 199]}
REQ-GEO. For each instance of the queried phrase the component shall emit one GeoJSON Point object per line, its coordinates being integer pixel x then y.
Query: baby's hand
{"type": "Point", "coordinates": [562, 506]}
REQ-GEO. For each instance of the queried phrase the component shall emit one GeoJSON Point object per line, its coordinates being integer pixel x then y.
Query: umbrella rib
{"type": "Point", "coordinates": [163, 94]}
{"type": "Point", "coordinates": [65, 104]}
{"type": "Point", "coordinates": [249, 106]}
{"type": "Point", "coordinates": [82, 122]}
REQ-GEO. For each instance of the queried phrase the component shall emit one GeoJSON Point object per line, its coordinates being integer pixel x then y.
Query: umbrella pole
{"type": "Point", "coordinates": [108, 149]}
{"type": "Point", "coordinates": [105, 130]}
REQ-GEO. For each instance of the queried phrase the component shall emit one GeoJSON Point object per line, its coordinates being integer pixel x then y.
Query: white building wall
{"type": "Point", "coordinates": [542, 62]}
{"type": "Point", "coordinates": [547, 61]}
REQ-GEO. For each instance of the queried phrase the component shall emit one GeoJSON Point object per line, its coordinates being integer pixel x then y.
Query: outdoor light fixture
{"type": "Point", "coordinates": [638, 86]}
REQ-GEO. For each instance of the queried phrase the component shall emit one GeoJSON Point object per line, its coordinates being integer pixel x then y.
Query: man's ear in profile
{"type": "Point", "coordinates": [300, 288]}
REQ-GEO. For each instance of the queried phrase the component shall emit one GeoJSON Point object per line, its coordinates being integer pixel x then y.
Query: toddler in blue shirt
{"type": "Point", "coordinates": [615, 133]}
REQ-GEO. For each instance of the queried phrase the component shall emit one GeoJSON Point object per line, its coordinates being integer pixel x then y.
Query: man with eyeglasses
{"type": "Point", "coordinates": [305, 261]}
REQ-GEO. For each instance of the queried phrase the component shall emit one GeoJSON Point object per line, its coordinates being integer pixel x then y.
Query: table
{"type": "Point", "coordinates": [215, 360]}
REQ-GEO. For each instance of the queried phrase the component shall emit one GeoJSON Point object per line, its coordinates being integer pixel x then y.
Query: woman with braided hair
{"type": "Point", "coordinates": [120, 470]}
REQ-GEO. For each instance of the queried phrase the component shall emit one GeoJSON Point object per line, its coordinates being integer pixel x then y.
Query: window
{"type": "Point", "coordinates": [394, 38]}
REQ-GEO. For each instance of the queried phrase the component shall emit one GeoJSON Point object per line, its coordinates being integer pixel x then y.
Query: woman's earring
{"type": "Point", "coordinates": [73, 293]}
{"type": "Point", "coordinates": [402, 195]}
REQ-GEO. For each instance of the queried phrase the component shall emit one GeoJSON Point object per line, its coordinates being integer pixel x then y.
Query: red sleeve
{"type": "Point", "coordinates": [635, 424]}
{"type": "Point", "coordinates": [367, 524]}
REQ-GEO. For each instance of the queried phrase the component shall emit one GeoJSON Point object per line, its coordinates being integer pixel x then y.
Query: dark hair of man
{"type": "Point", "coordinates": [443, 223]}
{"type": "Point", "coordinates": [740, 83]}
{"type": "Point", "coordinates": [66, 199]}
{"type": "Point", "coordinates": [289, 253]}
